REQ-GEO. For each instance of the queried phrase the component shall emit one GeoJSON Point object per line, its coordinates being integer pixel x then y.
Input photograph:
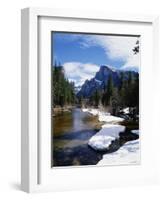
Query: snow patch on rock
{"type": "Point", "coordinates": [102, 139]}
{"type": "Point", "coordinates": [126, 110]}
{"type": "Point", "coordinates": [135, 132]}
{"type": "Point", "coordinates": [98, 81]}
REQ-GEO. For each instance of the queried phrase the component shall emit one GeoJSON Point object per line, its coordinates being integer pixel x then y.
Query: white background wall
{"type": "Point", "coordinates": [10, 96]}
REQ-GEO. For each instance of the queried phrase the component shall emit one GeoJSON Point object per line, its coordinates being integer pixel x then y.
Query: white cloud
{"type": "Point", "coordinates": [115, 47]}
{"type": "Point", "coordinates": [79, 72]}
{"type": "Point", "coordinates": [132, 62]}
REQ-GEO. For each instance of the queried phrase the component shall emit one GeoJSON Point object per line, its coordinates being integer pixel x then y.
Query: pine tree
{"type": "Point", "coordinates": [109, 91]}
{"type": "Point", "coordinates": [96, 98]}
{"type": "Point", "coordinates": [63, 90]}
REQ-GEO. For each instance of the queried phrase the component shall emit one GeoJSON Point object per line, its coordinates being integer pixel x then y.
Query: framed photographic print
{"type": "Point", "coordinates": [95, 106]}
{"type": "Point", "coordinates": [88, 100]}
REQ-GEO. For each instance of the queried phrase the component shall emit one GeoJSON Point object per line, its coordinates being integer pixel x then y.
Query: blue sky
{"type": "Point", "coordinates": [83, 54]}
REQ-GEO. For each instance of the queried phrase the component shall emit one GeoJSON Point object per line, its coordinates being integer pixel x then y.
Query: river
{"type": "Point", "coordinates": [71, 133]}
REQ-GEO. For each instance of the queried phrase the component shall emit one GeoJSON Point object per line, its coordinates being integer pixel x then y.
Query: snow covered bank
{"type": "Point", "coordinates": [102, 139]}
{"type": "Point", "coordinates": [103, 116]}
{"type": "Point", "coordinates": [92, 111]}
{"type": "Point", "coordinates": [106, 117]}
{"type": "Point", "coordinates": [127, 154]}
{"type": "Point", "coordinates": [84, 109]}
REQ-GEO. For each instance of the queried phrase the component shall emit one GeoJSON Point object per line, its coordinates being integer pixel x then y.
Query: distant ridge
{"type": "Point", "coordinates": [99, 82]}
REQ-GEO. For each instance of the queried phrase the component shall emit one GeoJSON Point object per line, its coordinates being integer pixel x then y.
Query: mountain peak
{"type": "Point", "coordinates": [103, 73]}
{"type": "Point", "coordinates": [100, 81]}
{"type": "Point", "coordinates": [106, 67]}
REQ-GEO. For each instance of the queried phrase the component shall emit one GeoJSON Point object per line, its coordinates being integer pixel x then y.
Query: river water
{"type": "Point", "coordinates": [71, 133]}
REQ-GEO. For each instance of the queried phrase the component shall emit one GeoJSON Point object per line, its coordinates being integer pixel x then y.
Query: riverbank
{"type": "Point", "coordinates": [114, 133]}
{"type": "Point", "coordinates": [129, 153]}
{"type": "Point", "coordinates": [59, 110]}
{"type": "Point", "coordinates": [103, 116]}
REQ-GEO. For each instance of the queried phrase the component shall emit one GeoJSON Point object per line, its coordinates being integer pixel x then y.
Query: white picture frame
{"type": "Point", "coordinates": [36, 171]}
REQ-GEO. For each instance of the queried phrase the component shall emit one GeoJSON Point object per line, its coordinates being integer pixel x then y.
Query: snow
{"type": "Point", "coordinates": [127, 154]}
{"type": "Point", "coordinates": [103, 116]}
{"type": "Point", "coordinates": [85, 109]}
{"type": "Point", "coordinates": [135, 132]}
{"type": "Point", "coordinates": [98, 81]}
{"type": "Point", "coordinates": [94, 111]}
{"type": "Point", "coordinates": [102, 139]}
{"type": "Point", "coordinates": [106, 117]}
{"type": "Point", "coordinates": [126, 110]}
{"type": "Point", "coordinates": [91, 111]}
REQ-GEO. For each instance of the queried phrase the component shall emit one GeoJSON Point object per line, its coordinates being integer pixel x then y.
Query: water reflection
{"type": "Point", "coordinates": [71, 133]}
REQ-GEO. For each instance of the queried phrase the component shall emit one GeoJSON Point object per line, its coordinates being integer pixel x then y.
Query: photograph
{"type": "Point", "coordinates": [95, 99]}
